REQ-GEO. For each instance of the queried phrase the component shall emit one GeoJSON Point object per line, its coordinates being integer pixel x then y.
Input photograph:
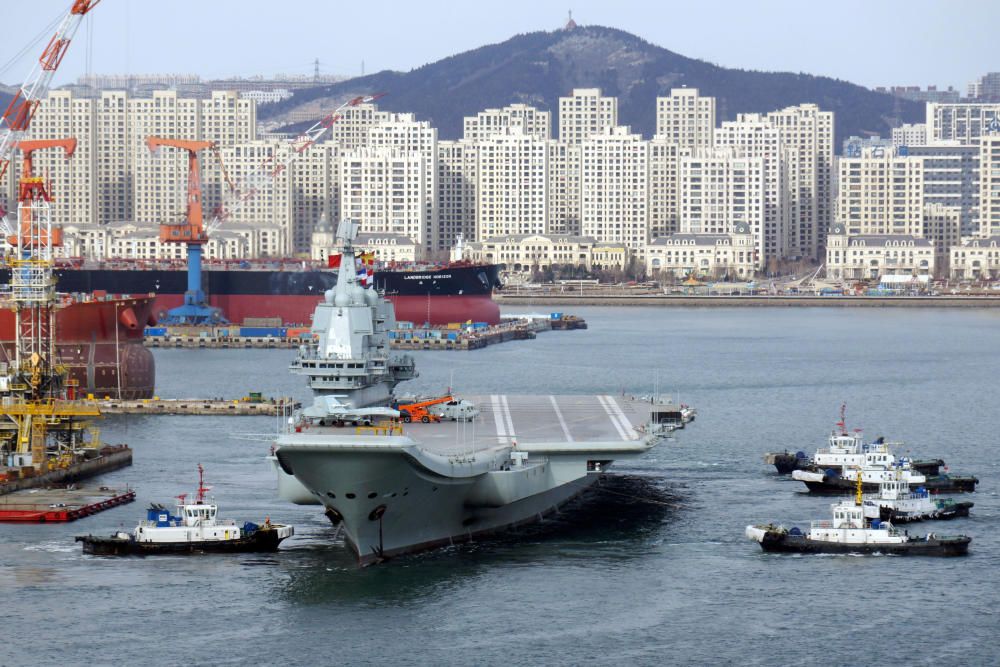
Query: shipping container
{"type": "Point", "coordinates": [556, 316]}
{"type": "Point", "coordinates": [262, 322]}
{"type": "Point", "coordinates": [156, 331]}
{"type": "Point", "coordinates": [260, 332]}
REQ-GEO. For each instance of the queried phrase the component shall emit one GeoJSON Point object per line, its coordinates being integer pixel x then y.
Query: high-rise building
{"type": "Point", "coordinates": [910, 134]}
{"type": "Point", "coordinates": [807, 137]}
{"type": "Point", "coordinates": [563, 188]}
{"type": "Point", "coordinates": [511, 195]}
{"type": "Point", "coordinates": [751, 135]}
{"type": "Point", "coordinates": [458, 163]}
{"type": "Point", "coordinates": [686, 118]}
{"type": "Point", "coordinates": [986, 88]}
{"type": "Point", "coordinates": [534, 122]}
{"type": "Point", "coordinates": [881, 193]}
{"type": "Point", "coordinates": [585, 113]}
{"type": "Point", "coordinates": [384, 189]}
{"type": "Point", "coordinates": [963, 123]}
{"type": "Point", "coordinates": [989, 184]}
{"type": "Point", "coordinates": [403, 132]}
{"type": "Point", "coordinates": [664, 186]}
{"type": "Point", "coordinates": [720, 190]}
{"type": "Point", "coordinates": [614, 178]}
{"type": "Point", "coordinates": [64, 115]}
{"type": "Point", "coordinates": [351, 129]}
{"type": "Point", "coordinates": [951, 179]}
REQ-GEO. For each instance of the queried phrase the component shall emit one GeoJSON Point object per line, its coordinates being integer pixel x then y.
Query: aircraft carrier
{"type": "Point", "coordinates": [398, 487]}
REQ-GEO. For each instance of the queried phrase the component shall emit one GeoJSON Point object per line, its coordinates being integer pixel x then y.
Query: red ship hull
{"type": "Point", "coordinates": [298, 309]}
{"type": "Point", "coordinates": [100, 343]}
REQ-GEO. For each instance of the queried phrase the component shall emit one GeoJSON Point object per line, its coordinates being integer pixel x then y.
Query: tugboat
{"type": "Point", "coordinates": [830, 481]}
{"type": "Point", "coordinates": [194, 529]}
{"type": "Point", "coordinates": [850, 532]}
{"type": "Point", "coordinates": [895, 502]}
{"type": "Point", "coordinates": [845, 450]}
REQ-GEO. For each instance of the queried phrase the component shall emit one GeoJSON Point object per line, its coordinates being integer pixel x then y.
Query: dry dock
{"type": "Point", "coordinates": [60, 505]}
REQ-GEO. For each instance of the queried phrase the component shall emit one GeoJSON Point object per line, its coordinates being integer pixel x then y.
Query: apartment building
{"type": "Point", "coordinates": [532, 121]}
{"type": "Point", "coordinates": [664, 186]}
{"type": "Point", "coordinates": [686, 118]}
{"type": "Point", "coordinates": [989, 184]}
{"type": "Point", "coordinates": [458, 175]}
{"type": "Point", "coordinates": [563, 188]}
{"type": "Point", "coordinates": [584, 113]}
{"type": "Point", "coordinates": [385, 190]}
{"type": "Point", "coordinates": [881, 193]}
{"type": "Point", "coordinates": [962, 122]}
{"type": "Point", "coordinates": [402, 132]}
{"type": "Point", "coordinates": [910, 134]}
{"type": "Point", "coordinates": [720, 190]}
{"type": "Point", "coordinates": [807, 137]}
{"type": "Point", "coordinates": [951, 178]}
{"type": "Point", "coordinates": [753, 136]}
{"type": "Point", "coordinates": [511, 193]}
{"type": "Point", "coordinates": [614, 195]}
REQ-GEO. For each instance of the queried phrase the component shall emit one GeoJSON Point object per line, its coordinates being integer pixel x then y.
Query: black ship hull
{"type": "Point", "coordinates": [263, 539]}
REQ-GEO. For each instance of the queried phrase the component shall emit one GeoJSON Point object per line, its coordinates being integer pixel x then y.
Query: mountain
{"type": "Point", "coordinates": [538, 68]}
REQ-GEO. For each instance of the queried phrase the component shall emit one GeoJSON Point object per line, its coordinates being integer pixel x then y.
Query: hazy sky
{"type": "Point", "coordinates": [870, 42]}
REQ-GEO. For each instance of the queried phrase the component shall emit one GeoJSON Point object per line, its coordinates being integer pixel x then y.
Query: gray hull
{"type": "Point", "coordinates": [390, 504]}
{"type": "Point", "coordinates": [402, 489]}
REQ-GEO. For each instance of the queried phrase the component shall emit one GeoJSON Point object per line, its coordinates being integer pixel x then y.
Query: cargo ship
{"type": "Point", "coordinates": [99, 342]}
{"type": "Point", "coordinates": [436, 294]}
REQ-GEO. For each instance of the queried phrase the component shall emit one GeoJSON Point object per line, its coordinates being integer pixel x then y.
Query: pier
{"type": "Point", "coordinates": [243, 407]}
{"type": "Point", "coordinates": [477, 336]}
{"type": "Point", "coordinates": [60, 505]}
{"type": "Point", "coordinates": [468, 336]}
{"type": "Point", "coordinates": [108, 458]}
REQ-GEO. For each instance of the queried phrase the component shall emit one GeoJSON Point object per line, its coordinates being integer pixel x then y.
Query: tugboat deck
{"type": "Point", "coordinates": [569, 421]}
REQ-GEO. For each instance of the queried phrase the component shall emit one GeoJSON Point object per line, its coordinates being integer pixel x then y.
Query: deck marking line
{"type": "Point", "coordinates": [507, 417]}
{"type": "Point", "coordinates": [612, 417]}
{"type": "Point", "coordinates": [559, 416]}
{"type": "Point", "coordinates": [498, 418]}
{"type": "Point", "coordinates": [622, 419]}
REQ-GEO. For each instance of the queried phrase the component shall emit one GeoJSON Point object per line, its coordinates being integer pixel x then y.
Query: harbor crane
{"type": "Point", "coordinates": [40, 414]}
{"type": "Point", "coordinates": [191, 232]}
{"type": "Point", "coordinates": [195, 232]}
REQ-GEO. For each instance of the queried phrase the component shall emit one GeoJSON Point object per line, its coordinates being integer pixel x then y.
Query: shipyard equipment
{"type": "Point", "coordinates": [195, 232]}
{"type": "Point", "coordinates": [42, 426]}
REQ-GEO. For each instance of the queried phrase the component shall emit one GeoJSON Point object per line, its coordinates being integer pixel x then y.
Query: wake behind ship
{"type": "Point", "coordinates": [436, 294]}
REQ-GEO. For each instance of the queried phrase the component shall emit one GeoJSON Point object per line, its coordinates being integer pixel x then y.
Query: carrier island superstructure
{"type": "Point", "coordinates": [399, 488]}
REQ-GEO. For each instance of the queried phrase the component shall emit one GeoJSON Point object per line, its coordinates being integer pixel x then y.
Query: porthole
{"type": "Point", "coordinates": [373, 494]}
{"type": "Point", "coordinates": [331, 494]}
{"type": "Point", "coordinates": [350, 496]}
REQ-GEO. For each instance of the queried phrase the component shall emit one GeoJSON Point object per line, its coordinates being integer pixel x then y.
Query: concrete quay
{"type": "Point", "coordinates": [568, 301]}
{"type": "Point", "coordinates": [196, 406]}
{"type": "Point", "coordinates": [109, 458]}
